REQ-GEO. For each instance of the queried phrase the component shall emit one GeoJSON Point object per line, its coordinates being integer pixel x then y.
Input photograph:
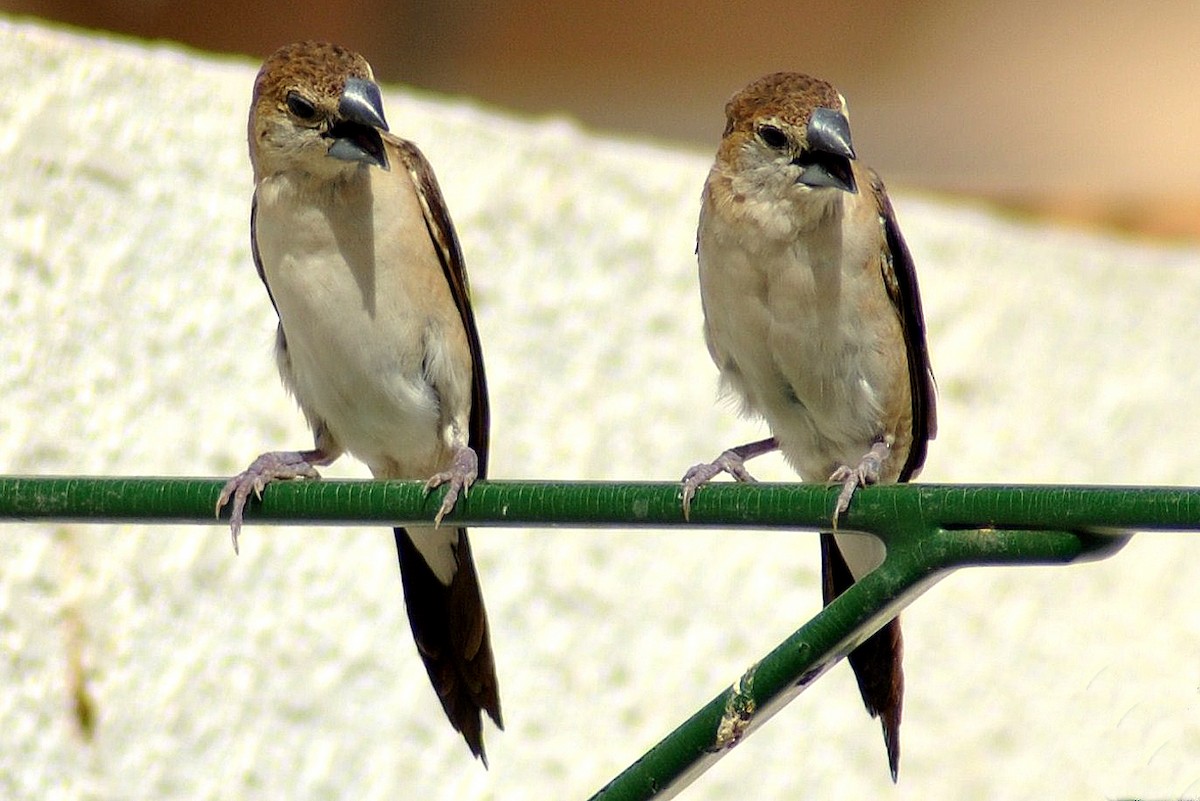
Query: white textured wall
{"type": "Point", "coordinates": [137, 340]}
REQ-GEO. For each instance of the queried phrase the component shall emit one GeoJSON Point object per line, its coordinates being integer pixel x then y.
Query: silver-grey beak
{"type": "Point", "coordinates": [829, 132]}
{"type": "Point", "coordinates": [362, 103]}
{"type": "Point", "coordinates": [356, 134]}
{"type": "Point", "coordinates": [826, 161]}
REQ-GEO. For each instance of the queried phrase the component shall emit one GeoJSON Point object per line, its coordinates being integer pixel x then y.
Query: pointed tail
{"type": "Point", "coordinates": [877, 663]}
{"type": "Point", "coordinates": [450, 626]}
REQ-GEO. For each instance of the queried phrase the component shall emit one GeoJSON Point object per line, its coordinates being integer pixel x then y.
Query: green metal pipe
{"type": "Point", "coordinates": [915, 561]}
{"type": "Point", "coordinates": [930, 530]}
{"type": "Point", "coordinates": [608, 504]}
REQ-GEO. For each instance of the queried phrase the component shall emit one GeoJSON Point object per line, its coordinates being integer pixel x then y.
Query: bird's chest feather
{"type": "Point", "coordinates": [804, 332]}
{"type": "Point", "coordinates": [346, 279]}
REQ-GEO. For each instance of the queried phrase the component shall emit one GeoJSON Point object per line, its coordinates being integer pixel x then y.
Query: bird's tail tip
{"type": "Point", "coordinates": [891, 740]}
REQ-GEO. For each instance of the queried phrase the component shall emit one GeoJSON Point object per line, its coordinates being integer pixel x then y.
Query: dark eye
{"type": "Point", "coordinates": [772, 137]}
{"type": "Point", "coordinates": [300, 107]}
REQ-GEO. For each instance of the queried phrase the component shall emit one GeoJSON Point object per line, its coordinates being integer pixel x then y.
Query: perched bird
{"type": "Point", "coordinates": [376, 338]}
{"type": "Point", "coordinates": [813, 318]}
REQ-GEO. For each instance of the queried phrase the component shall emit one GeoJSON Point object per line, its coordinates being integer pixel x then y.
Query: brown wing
{"type": "Point", "coordinates": [900, 276]}
{"type": "Point", "coordinates": [441, 231]}
{"type": "Point", "coordinates": [449, 623]}
{"type": "Point", "coordinates": [254, 249]}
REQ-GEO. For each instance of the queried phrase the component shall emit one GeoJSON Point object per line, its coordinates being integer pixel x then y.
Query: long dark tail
{"type": "Point", "coordinates": [450, 626]}
{"type": "Point", "coordinates": [877, 663]}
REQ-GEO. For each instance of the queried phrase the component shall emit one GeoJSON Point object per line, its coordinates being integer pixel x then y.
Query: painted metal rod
{"type": "Point", "coordinates": [930, 530]}
{"type": "Point", "coordinates": [607, 504]}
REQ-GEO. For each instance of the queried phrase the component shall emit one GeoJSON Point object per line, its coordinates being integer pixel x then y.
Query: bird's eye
{"type": "Point", "coordinates": [300, 107]}
{"type": "Point", "coordinates": [772, 137]}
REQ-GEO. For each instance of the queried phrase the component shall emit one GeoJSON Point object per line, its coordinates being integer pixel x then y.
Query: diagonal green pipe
{"type": "Point", "coordinates": [930, 530]}
{"type": "Point", "coordinates": [915, 561]}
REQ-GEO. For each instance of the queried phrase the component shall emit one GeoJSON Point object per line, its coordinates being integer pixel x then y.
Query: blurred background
{"type": "Point", "coordinates": [1085, 111]}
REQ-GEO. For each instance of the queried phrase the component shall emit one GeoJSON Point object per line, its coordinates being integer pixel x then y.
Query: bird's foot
{"type": "Point", "coordinates": [274, 466]}
{"type": "Point", "coordinates": [732, 461]}
{"type": "Point", "coordinates": [868, 471]}
{"type": "Point", "coordinates": [461, 475]}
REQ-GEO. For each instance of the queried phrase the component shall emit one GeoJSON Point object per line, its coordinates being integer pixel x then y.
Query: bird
{"type": "Point", "coordinates": [813, 318]}
{"type": "Point", "coordinates": [376, 341]}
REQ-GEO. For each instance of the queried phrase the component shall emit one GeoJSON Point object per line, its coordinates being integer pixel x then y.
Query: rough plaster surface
{"type": "Point", "coordinates": [137, 340]}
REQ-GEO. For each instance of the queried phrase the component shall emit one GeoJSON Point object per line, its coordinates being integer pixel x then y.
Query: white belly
{"type": "Point", "coordinates": [790, 337]}
{"type": "Point", "coordinates": [357, 340]}
{"type": "Point", "coordinates": [363, 378]}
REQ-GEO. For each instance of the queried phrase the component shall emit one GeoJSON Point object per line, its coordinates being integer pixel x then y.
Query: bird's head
{"type": "Point", "coordinates": [317, 109]}
{"type": "Point", "coordinates": [788, 130]}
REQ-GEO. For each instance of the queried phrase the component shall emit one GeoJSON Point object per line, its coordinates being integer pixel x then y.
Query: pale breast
{"type": "Point", "coordinates": [354, 320]}
{"type": "Point", "coordinates": [803, 331]}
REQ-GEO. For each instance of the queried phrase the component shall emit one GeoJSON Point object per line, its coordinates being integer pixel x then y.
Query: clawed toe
{"type": "Point", "coordinates": [868, 471]}
{"type": "Point", "coordinates": [730, 462]}
{"type": "Point", "coordinates": [459, 477]}
{"type": "Point", "coordinates": [274, 466]}
{"type": "Point", "coordinates": [850, 482]}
